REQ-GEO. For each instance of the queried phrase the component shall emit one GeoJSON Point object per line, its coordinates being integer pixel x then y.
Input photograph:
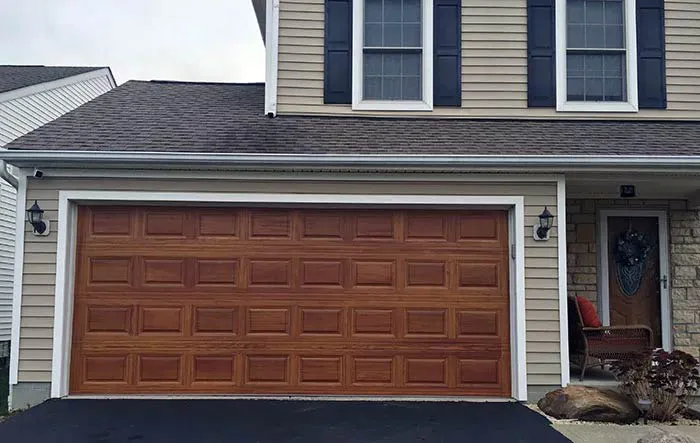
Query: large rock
{"type": "Point", "coordinates": [659, 436]}
{"type": "Point", "coordinates": [589, 404]}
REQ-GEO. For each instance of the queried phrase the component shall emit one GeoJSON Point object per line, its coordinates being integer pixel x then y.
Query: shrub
{"type": "Point", "coordinates": [667, 379]}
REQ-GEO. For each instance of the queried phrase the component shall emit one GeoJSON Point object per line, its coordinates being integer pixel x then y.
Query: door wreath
{"type": "Point", "coordinates": [631, 251]}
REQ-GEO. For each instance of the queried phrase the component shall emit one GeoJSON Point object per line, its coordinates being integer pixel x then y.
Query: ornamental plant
{"type": "Point", "coordinates": [667, 379]}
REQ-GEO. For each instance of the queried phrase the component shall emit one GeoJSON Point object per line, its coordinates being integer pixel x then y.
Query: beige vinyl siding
{"type": "Point", "coordinates": [494, 63]}
{"type": "Point", "coordinates": [542, 308]}
{"type": "Point", "coordinates": [18, 117]}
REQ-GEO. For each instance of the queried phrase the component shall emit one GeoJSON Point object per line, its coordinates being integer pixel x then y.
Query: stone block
{"type": "Point", "coordinates": [587, 259]}
{"type": "Point", "coordinates": [685, 272]}
{"type": "Point", "coordinates": [677, 204]}
{"type": "Point", "coordinates": [683, 316]}
{"type": "Point", "coordinates": [578, 248]}
{"type": "Point", "coordinates": [685, 249]}
{"type": "Point", "coordinates": [685, 259]}
{"type": "Point", "coordinates": [571, 260]}
{"type": "Point", "coordinates": [573, 209]}
{"type": "Point", "coordinates": [583, 218]}
{"type": "Point", "coordinates": [682, 283]}
{"type": "Point", "coordinates": [675, 232]}
{"type": "Point", "coordinates": [588, 206]}
{"type": "Point", "coordinates": [583, 279]}
{"type": "Point", "coordinates": [585, 232]}
{"type": "Point", "coordinates": [679, 293]}
{"type": "Point", "coordinates": [693, 294]}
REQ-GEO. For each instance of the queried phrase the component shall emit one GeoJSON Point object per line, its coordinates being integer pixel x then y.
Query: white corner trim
{"type": "Point", "coordinates": [632, 103]}
{"type": "Point", "coordinates": [65, 266]}
{"type": "Point", "coordinates": [358, 104]}
{"type": "Point", "coordinates": [517, 302]}
{"type": "Point", "coordinates": [664, 267]}
{"type": "Point", "coordinates": [17, 276]}
{"type": "Point", "coordinates": [272, 23]}
{"type": "Point", "coordinates": [41, 87]}
{"type": "Point", "coordinates": [562, 276]}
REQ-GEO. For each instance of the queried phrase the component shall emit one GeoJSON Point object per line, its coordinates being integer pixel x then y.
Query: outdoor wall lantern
{"type": "Point", "coordinates": [34, 216]}
{"type": "Point", "coordinates": [541, 230]}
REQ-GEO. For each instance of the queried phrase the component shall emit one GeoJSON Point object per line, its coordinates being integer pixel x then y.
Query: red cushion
{"type": "Point", "coordinates": [590, 317]}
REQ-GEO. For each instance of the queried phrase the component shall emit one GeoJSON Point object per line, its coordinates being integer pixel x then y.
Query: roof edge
{"type": "Point", "coordinates": [168, 160]}
{"type": "Point", "coordinates": [53, 84]}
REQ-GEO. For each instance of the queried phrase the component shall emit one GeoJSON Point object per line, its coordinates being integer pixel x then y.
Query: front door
{"type": "Point", "coordinates": [634, 273]}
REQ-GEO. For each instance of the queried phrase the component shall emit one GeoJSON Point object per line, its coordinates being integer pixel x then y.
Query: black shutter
{"type": "Point", "coordinates": [337, 79]}
{"type": "Point", "coordinates": [651, 64]}
{"type": "Point", "coordinates": [541, 57]}
{"type": "Point", "coordinates": [447, 53]}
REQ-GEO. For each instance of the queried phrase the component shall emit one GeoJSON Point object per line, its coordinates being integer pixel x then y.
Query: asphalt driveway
{"type": "Point", "coordinates": [249, 421]}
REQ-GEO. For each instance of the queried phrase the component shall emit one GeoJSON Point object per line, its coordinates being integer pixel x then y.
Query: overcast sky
{"type": "Point", "coordinates": [190, 40]}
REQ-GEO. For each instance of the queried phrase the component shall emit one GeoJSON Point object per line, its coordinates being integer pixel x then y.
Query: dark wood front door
{"type": "Point", "coordinates": [630, 303]}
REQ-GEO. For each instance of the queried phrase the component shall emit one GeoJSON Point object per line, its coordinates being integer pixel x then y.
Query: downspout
{"type": "Point", "coordinates": [5, 175]}
{"type": "Point", "coordinates": [272, 23]}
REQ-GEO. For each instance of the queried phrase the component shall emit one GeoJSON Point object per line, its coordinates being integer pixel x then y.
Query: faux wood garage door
{"type": "Point", "coordinates": [256, 301]}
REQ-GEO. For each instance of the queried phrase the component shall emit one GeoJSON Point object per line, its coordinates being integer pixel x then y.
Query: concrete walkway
{"type": "Point", "coordinates": [604, 433]}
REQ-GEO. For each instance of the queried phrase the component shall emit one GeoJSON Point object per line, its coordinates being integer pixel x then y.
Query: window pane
{"type": "Point", "coordinates": [411, 11]}
{"type": "Point", "coordinates": [373, 34]}
{"type": "Point", "coordinates": [595, 24]}
{"type": "Point", "coordinates": [392, 35]}
{"type": "Point", "coordinates": [411, 36]}
{"type": "Point", "coordinates": [373, 11]}
{"type": "Point", "coordinates": [596, 77]}
{"type": "Point", "coordinates": [392, 76]}
{"type": "Point", "coordinates": [594, 11]}
{"type": "Point", "coordinates": [392, 11]}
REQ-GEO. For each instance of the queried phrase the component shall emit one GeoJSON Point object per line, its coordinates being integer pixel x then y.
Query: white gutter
{"type": "Point", "coordinates": [64, 158]}
{"type": "Point", "coordinates": [5, 175]}
{"type": "Point", "coordinates": [272, 23]}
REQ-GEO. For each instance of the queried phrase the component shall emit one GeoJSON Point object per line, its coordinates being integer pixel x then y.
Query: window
{"type": "Point", "coordinates": [393, 66]}
{"type": "Point", "coordinates": [596, 57]}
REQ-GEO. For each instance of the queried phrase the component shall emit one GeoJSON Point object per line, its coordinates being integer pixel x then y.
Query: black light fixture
{"type": "Point", "coordinates": [545, 224]}
{"type": "Point", "coordinates": [34, 216]}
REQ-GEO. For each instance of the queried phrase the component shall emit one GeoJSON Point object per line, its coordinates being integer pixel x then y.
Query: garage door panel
{"type": "Point", "coordinates": [277, 301]}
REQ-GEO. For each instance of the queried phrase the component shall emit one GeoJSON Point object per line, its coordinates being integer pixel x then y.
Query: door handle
{"type": "Point", "coordinates": [664, 282]}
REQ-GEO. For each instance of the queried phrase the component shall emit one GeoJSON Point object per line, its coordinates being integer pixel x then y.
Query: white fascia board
{"type": "Point", "coordinates": [170, 160]}
{"type": "Point", "coordinates": [47, 86]}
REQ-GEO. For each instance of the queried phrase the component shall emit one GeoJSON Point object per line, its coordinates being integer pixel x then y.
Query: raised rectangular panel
{"type": "Point", "coordinates": [477, 323]}
{"type": "Point", "coordinates": [164, 223]}
{"type": "Point", "coordinates": [426, 274]}
{"type": "Point", "coordinates": [425, 371]}
{"type": "Point", "coordinates": [320, 369]}
{"type": "Point", "coordinates": [161, 319]}
{"type": "Point", "coordinates": [105, 368]}
{"type": "Point", "coordinates": [423, 322]}
{"type": "Point", "coordinates": [373, 321]}
{"type": "Point", "coordinates": [268, 321]}
{"type": "Point", "coordinates": [269, 273]}
{"type": "Point", "coordinates": [215, 320]}
{"type": "Point", "coordinates": [222, 223]}
{"type": "Point", "coordinates": [374, 227]}
{"type": "Point", "coordinates": [321, 226]}
{"type": "Point", "coordinates": [478, 227]}
{"type": "Point", "coordinates": [368, 370]}
{"type": "Point", "coordinates": [267, 369]}
{"type": "Point", "coordinates": [374, 273]}
{"type": "Point", "coordinates": [214, 368]}
{"type": "Point", "coordinates": [217, 272]}
{"type": "Point", "coordinates": [160, 368]}
{"type": "Point", "coordinates": [264, 224]}
{"type": "Point", "coordinates": [110, 271]}
{"type": "Point", "coordinates": [426, 227]}
{"type": "Point", "coordinates": [322, 273]}
{"type": "Point", "coordinates": [110, 222]}
{"type": "Point", "coordinates": [321, 321]}
{"type": "Point", "coordinates": [110, 319]}
{"type": "Point", "coordinates": [478, 371]}
{"type": "Point", "coordinates": [164, 272]}
{"type": "Point", "coordinates": [478, 275]}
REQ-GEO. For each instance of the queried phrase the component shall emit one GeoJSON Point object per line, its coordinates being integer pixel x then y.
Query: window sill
{"type": "Point", "coordinates": [380, 105]}
{"type": "Point", "coordinates": [596, 107]}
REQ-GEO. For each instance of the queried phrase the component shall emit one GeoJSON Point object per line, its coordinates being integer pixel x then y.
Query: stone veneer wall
{"type": "Point", "coordinates": [684, 232]}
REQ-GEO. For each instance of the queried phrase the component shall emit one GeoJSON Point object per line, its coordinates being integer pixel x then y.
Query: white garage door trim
{"type": "Point", "coordinates": [65, 261]}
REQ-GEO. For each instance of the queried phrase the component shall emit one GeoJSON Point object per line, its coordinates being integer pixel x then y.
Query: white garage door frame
{"type": "Point", "coordinates": [67, 231]}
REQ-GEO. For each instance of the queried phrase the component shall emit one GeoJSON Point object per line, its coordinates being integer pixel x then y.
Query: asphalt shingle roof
{"type": "Point", "coordinates": [15, 77]}
{"type": "Point", "coordinates": [228, 118]}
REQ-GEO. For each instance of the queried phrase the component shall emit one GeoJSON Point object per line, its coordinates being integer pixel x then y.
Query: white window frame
{"type": "Point", "coordinates": [632, 103]}
{"type": "Point", "coordinates": [358, 38]}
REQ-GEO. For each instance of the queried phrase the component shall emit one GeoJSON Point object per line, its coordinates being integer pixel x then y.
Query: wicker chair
{"type": "Point", "coordinates": [589, 347]}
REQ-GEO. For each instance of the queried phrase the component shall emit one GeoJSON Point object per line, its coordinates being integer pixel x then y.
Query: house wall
{"type": "Point", "coordinates": [684, 226]}
{"type": "Point", "coordinates": [541, 259]}
{"type": "Point", "coordinates": [19, 116]}
{"type": "Point", "coordinates": [494, 63]}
